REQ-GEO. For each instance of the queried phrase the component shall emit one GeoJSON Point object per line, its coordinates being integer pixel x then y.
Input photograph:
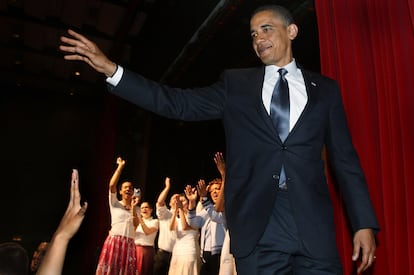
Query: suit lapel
{"type": "Point", "coordinates": [312, 91]}
{"type": "Point", "coordinates": [257, 80]}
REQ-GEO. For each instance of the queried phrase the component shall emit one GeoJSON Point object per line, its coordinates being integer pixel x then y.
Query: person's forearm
{"type": "Point", "coordinates": [219, 206]}
{"type": "Point", "coordinates": [135, 217]}
{"type": "Point", "coordinates": [183, 219]}
{"type": "Point", "coordinates": [191, 205]}
{"type": "Point", "coordinates": [162, 197]}
{"type": "Point", "coordinates": [54, 258]}
{"type": "Point", "coordinates": [173, 220]}
{"type": "Point", "coordinates": [115, 177]}
{"type": "Point", "coordinates": [147, 230]}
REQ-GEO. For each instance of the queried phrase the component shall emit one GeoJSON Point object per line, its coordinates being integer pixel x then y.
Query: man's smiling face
{"type": "Point", "coordinates": [272, 39]}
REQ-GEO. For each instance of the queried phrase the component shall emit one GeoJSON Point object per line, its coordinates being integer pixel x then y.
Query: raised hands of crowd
{"type": "Point", "coordinates": [220, 164]}
{"type": "Point", "coordinates": [115, 177]}
{"type": "Point", "coordinates": [202, 188]}
{"type": "Point", "coordinates": [135, 211]}
{"type": "Point", "coordinates": [164, 193]}
{"type": "Point", "coordinates": [221, 167]}
{"type": "Point", "coordinates": [175, 211]}
{"type": "Point", "coordinates": [178, 203]}
{"type": "Point", "coordinates": [191, 194]}
{"type": "Point", "coordinates": [120, 162]}
{"type": "Point", "coordinates": [78, 47]}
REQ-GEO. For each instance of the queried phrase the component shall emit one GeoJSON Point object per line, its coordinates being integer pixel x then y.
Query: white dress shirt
{"type": "Point", "coordinates": [297, 90]}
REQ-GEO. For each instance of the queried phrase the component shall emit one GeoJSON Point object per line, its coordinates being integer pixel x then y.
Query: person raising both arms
{"type": "Point", "coordinates": [166, 238]}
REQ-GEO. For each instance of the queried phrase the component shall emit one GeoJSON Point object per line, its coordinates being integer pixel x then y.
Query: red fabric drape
{"type": "Point", "coordinates": [97, 220]}
{"type": "Point", "coordinates": [368, 46]}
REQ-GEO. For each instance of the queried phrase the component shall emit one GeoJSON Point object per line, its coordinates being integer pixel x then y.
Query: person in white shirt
{"type": "Point", "coordinates": [118, 255]}
{"type": "Point", "coordinates": [144, 239]}
{"type": "Point", "coordinates": [185, 258]}
{"type": "Point", "coordinates": [211, 223]}
{"type": "Point", "coordinates": [166, 237]}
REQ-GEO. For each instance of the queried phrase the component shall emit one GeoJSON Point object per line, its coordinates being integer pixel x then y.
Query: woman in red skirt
{"type": "Point", "coordinates": [118, 254]}
{"type": "Point", "coordinates": [145, 238]}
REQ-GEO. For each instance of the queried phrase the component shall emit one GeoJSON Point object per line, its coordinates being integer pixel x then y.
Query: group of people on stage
{"type": "Point", "coordinates": [191, 234]}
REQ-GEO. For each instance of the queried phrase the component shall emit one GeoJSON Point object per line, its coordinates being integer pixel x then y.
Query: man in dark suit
{"type": "Point", "coordinates": [282, 176]}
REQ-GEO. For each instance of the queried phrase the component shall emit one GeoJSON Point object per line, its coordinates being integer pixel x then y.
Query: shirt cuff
{"type": "Point", "coordinates": [114, 80]}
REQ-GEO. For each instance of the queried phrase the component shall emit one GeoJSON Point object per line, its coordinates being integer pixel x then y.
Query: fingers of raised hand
{"type": "Point", "coordinates": [82, 210]}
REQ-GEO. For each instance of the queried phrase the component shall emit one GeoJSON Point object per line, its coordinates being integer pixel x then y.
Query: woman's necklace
{"type": "Point", "coordinates": [126, 206]}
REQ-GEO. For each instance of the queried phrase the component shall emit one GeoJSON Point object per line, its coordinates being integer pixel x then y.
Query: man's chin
{"type": "Point", "coordinates": [266, 60]}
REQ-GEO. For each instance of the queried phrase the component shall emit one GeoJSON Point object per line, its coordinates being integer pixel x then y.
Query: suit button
{"type": "Point", "coordinates": [275, 177]}
{"type": "Point", "coordinates": [284, 147]}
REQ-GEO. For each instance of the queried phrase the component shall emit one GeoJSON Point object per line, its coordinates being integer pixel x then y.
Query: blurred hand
{"type": "Point", "coordinates": [120, 161]}
{"type": "Point", "coordinates": [220, 163]}
{"type": "Point", "coordinates": [202, 188]}
{"type": "Point", "coordinates": [73, 217]}
{"type": "Point", "coordinates": [190, 193]}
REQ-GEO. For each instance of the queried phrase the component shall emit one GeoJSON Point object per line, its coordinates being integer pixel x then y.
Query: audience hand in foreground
{"type": "Point", "coordinates": [54, 258]}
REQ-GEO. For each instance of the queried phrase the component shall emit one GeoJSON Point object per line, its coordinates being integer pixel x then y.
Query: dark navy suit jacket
{"type": "Point", "coordinates": [254, 153]}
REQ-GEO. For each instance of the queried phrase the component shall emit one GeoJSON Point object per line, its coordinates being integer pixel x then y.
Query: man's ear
{"type": "Point", "coordinates": [292, 31]}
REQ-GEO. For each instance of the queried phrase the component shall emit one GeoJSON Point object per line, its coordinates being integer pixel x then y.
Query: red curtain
{"type": "Point", "coordinates": [368, 46]}
{"type": "Point", "coordinates": [97, 220]}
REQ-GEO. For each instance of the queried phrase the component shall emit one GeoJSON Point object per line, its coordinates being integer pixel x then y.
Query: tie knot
{"type": "Point", "coordinates": [282, 72]}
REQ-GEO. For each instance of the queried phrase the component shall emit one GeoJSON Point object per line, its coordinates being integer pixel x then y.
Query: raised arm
{"type": "Point", "coordinates": [194, 218]}
{"type": "Point", "coordinates": [78, 47]}
{"type": "Point", "coordinates": [54, 258]}
{"type": "Point", "coordinates": [164, 193]}
{"type": "Point", "coordinates": [115, 177]}
{"type": "Point", "coordinates": [183, 216]}
{"type": "Point", "coordinates": [145, 228]}
{"type": "Point", "coordinates": [174, 210]}
{"type": "Point", "coordinates": [134, 213]}
{"type": "Point", "coordinates": [221, 166]}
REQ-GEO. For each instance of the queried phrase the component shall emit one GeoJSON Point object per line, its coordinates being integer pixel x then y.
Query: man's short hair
{"type": "Point", "coordinates": [279, 11]}
{"type": "Point", "coordinates": [13, 259]}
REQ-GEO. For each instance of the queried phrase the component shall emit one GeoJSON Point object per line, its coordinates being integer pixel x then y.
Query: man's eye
{"type": "Point", "coordinates": [253, 35]}
{"type": "Point", "coordinates": [267, 29]}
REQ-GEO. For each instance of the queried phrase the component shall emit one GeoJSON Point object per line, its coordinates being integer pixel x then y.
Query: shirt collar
{"type": "Point", "coordinates": [273, 69]}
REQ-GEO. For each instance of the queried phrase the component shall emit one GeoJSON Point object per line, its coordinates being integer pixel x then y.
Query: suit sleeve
{"type": "Point", "coordinates": [203, 103]}
{"type": "Point", "coordinates": [346, 165]}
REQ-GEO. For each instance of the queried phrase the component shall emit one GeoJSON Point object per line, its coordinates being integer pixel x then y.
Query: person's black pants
{"type": "Point", "coordinates": [161, 262]}
{"type": "Point", "coordinates": [210, 264]}
{"type": "Point", "coordinates": [280, 251]}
